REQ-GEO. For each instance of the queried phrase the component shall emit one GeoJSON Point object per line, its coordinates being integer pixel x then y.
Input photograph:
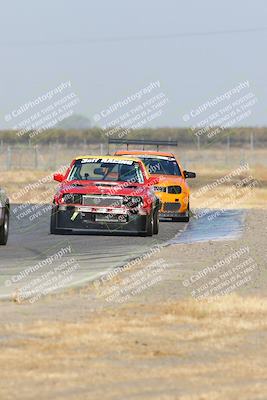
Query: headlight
{"type": "Point", "coordinates": [174, 189]}
{"type": "Point", "coordinates": [132, 201]}
{"type": "Point", "coordinates": [72, 198]}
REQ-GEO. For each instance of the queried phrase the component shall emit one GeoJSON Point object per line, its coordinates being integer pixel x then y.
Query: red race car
{"type": "Point", "coordinates": [106, 194]}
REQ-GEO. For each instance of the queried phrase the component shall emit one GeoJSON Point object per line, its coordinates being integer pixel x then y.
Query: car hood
{"type": "Point", "coordinates": [167, 180]}
{"type": "Point", "coordinates": [104, 188]}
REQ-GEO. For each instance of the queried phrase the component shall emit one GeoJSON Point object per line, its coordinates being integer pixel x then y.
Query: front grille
{"type": "Point", "coordinates": [172, 206]}
{"type": "Point", "coordinates": [174, 189]}
{"type": "Point", "coordinates": [102, 201]}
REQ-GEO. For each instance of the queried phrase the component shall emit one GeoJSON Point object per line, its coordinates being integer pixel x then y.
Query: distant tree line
{"type": "Point", "coordinates": [184, 136]}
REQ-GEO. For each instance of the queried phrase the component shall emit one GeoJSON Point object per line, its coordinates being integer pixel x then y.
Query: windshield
{"type": "Point", "coordinates": [161, 165]}
{"type": "Point", "coordinates": [106, 170]}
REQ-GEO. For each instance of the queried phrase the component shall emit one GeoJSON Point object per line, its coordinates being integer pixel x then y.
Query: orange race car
{"type": "Point", "coordinates": [172, 189]}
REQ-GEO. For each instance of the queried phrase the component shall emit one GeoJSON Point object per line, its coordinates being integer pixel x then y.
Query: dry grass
{"type": "Point", "coordinates": [184, 350]}
{"type": "Point", "coordinates": [221, 197]}
{"type": "Point", "coordinates": [17, 185]}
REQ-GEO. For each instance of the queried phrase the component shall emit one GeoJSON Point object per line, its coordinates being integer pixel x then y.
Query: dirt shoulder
{"type": "Point", "coordinates": [141, 333]}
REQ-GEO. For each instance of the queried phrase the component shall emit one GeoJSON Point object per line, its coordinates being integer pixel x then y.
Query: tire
{"type": "Point", "coordinates": [156, 222]}
{"type": "Point", "coordinates": [4, 229]}
{"type": "Point", "coordinates": [53, 223]}
{"type": "Point", "coordinates": [150, 225]}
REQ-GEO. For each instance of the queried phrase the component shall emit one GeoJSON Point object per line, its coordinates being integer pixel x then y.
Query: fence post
{"type": "Point", "coordinates": [252, 141]}
{"type": "Point", "coordinates": [36, 156]}
{"type": "Point", "coordinates": [8, 158]}
{"type": "Point", "coordinates": [227, 153]}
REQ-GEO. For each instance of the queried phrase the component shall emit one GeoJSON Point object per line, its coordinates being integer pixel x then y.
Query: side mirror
{"type": "Point", "coordinates": [153, 180]}
{"type": "Point", "coordinates": [188, 174]}
{"type": "Point", "coordinates": [58, 177]}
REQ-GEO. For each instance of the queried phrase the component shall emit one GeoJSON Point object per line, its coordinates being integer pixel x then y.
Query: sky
{"type": "Point", "coordinates": [109, 50]}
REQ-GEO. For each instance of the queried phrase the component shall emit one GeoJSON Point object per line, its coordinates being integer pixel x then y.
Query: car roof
{"type": "Point", "coordinates": [145, 152]}
{"type": "Point", "coordinates": [117, 158]}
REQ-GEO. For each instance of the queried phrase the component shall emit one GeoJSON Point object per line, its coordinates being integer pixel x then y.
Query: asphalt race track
{"type": "Point", "coordinates": [89, 255]}
{"type": "Point", "coordinates": [30, 242]}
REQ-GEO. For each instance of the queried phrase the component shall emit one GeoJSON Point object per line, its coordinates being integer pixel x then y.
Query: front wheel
{"type": "Point", "coordinates": [53, 223]}
{"type": "Point", "coordinates": [156, 222]}
{"type": "Point", "coordinates": [4, 229]}
{"type": "Point", "coordinates": [150, 225]}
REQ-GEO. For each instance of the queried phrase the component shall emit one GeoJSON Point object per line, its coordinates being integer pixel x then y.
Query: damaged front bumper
{"type": "Point", "coordinates": [99, 219]}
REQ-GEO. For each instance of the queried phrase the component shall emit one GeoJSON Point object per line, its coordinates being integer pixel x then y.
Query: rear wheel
{"type": "Point", "coordinates": [4, 229]}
